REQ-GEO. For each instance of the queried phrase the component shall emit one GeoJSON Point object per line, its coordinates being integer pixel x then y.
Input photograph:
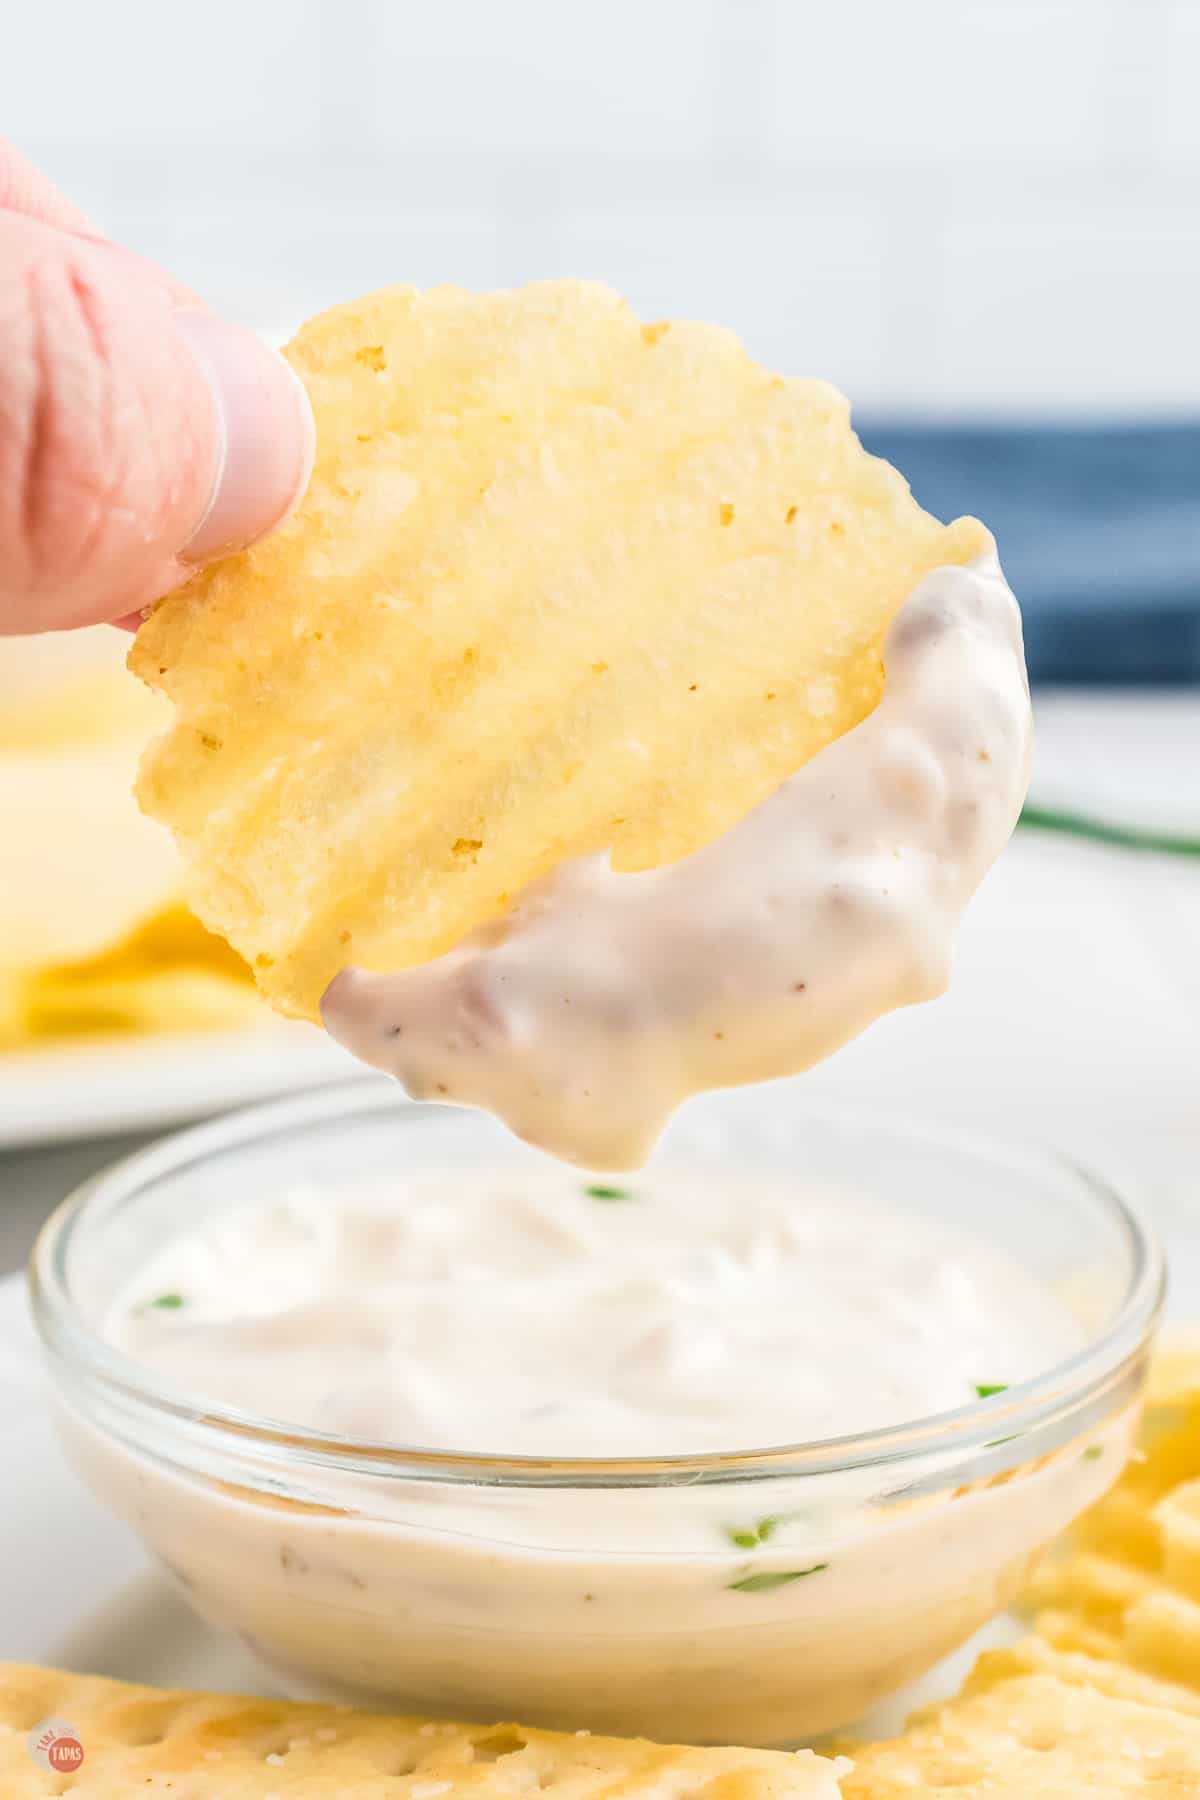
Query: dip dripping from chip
{"type": "Point", "coordinates": [604, 1000]}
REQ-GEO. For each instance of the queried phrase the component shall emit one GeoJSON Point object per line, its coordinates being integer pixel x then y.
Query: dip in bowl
{"type": "Point", "coordinates": [726, 1451]}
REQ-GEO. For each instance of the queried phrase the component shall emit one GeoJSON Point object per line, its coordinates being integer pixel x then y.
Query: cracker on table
{"type": "Point", "coordinates": [1036, 1655]}
{"type": "Point", "coordinates": [192, 1746]}
{"type": "Point", "coordinates": [1035, 1737]}
{"type": "Point", "coordinates": [1124, 1584]}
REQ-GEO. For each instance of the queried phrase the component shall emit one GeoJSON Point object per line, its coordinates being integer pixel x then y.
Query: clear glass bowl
{"type": "Point", "coordinates": [587, 1593]}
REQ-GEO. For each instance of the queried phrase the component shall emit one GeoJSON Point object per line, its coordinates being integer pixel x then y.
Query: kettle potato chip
{"type": "Point", "coordinates": [562, 581]}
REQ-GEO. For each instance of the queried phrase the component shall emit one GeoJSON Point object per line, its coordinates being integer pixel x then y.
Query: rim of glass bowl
{"type": "Point", "coordinates": [1045, 1400]}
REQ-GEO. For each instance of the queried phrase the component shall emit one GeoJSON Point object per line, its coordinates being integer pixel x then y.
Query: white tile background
{"type": "Point", "coordinates": [946, 205]}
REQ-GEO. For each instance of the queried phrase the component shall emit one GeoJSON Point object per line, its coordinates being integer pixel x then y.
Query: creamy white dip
{"type": "Point", "coordinates": [601, 1001]}
{"type": "Point", "coordinates": [537, 1313]}
{"type": "Point", "coordinates": [508, 1309]}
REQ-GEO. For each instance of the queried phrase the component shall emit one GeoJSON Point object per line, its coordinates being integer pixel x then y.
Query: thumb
{"type": "Point", "coordinates": [139, 433]}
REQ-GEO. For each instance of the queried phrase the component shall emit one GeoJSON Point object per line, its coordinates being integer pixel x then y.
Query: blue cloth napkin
{"type": "Point", "coordinates": [1099, 532]}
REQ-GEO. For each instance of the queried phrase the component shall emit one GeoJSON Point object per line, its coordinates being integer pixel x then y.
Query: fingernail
{"type": "Point", "coordinates": [267, 434]}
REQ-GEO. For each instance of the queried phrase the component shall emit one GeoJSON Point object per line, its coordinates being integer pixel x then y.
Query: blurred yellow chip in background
{"type": "Point", "coordinates": [562, 581]}
{"type": "Point", "coordinates": [170, 972]}
{"type": "Point", "coordinates": [82, 867]}
{"type": "Point", "coordinates": [94, 937]}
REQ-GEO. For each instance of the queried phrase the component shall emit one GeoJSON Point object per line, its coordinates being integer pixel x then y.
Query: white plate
{"type": "Point", "coordinates": [104, 1087]}
{"type": "Point", "coordinates": [78, 1592]}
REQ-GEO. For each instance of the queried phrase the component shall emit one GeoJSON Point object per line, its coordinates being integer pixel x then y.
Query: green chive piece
{"type": "Point", "coordinates": [1043, 818]}
{"type": "Point", "coordinates": [1093, 1453]}
{"type": "Point", "coordinates": [168, 1302]}
{"type": "Point", "coordinates": [762, 1584]}
{"type": "Point", "coordinates": [985, 1389]}
{"type": "Point", "coordinates": [599, 1190]}
{"type": "Point", "coordinates": [750, 1537]}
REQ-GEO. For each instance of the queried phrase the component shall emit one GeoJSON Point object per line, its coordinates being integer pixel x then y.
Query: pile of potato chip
{"type": "Point", "coordinates": [1103, 1698]}
{"type": "Point", "coordinates": [94, 934]}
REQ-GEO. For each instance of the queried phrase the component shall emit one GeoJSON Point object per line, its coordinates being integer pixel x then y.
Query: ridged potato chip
{"type": "Point", "coordinates": [561, 582]}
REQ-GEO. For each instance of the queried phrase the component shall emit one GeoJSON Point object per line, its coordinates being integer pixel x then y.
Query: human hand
{"type": "Point", "coordinates": [140, 434]}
